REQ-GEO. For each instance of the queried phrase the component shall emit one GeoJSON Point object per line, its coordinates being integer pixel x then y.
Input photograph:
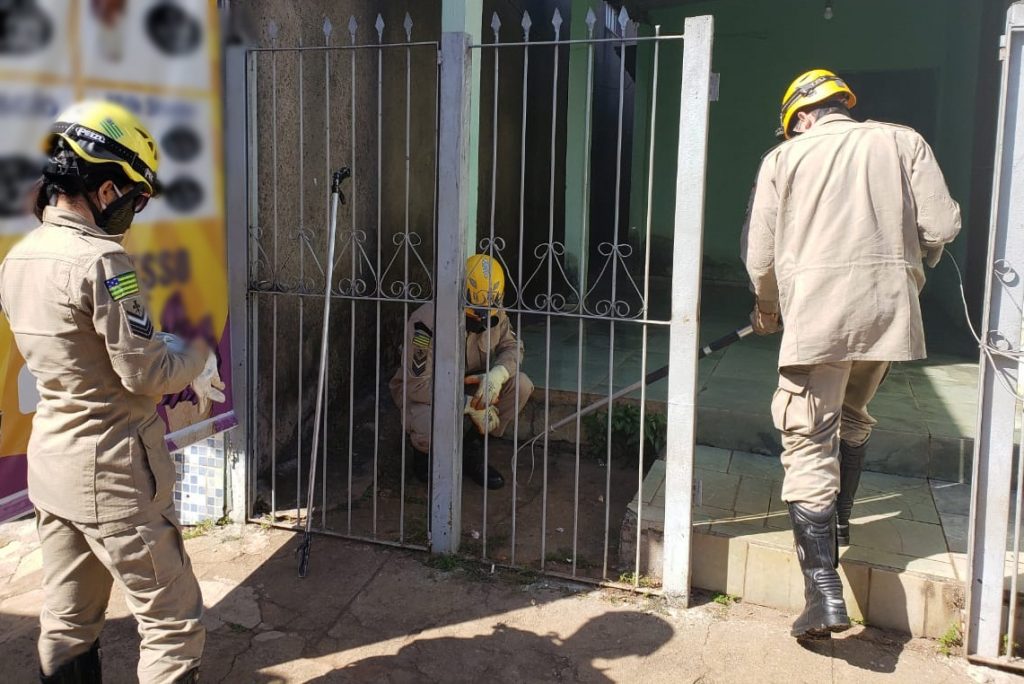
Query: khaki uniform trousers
{"type": "Point", "coordinates": [419, 416]}
{"type": "Point", "coordinates": [815, 407]}
{"type": "Point", "coordinates": [146, 555]}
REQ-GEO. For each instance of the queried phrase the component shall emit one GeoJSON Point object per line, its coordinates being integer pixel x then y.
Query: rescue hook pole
{"type": "Point", "coordinates": [336, 196]}
{"type": "Point", "coordinates": [653, 376]}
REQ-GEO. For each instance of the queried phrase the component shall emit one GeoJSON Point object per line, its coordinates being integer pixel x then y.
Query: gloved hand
{"type": "Point", "coordinates": [208, 385]}
{"type": "Point", "coordinates": [173, 342]}
{"type": "Point", "coordinates": [490, 384]}
{"type": "Point", "coordinates": [485, 420]}
{"type": "Point", "coordinates": [931, 255]}
{"type": "Point", "coordinates": [764, 322]}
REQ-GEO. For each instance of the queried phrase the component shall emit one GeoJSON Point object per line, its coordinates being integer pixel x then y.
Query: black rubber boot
{"type": "Point", "coordinates": [851, 463]}
{"type": "Point", "coordinates": [83, 669]}
{"type": "Point", "coordinates": [421, 466]}
{"type": "Point", "coordinates": [473, 462]}
{"type": "Point", "coordinates": [824, 609]}
{"type": "Point", "coordinates": [190, 677]}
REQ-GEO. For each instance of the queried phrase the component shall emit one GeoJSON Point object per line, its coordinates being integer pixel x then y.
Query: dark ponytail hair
{"type": "Point", "coordinates": [68, 174]}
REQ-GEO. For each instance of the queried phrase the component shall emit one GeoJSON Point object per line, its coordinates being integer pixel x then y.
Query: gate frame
{"type": "Point", "coordinates": [998, 407]}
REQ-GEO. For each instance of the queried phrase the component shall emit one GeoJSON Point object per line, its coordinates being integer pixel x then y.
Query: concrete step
{"type": "Point", "coordinates": [905, 572]}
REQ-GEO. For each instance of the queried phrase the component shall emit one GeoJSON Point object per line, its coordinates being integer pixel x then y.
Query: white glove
{"type": "Point", "coordinates": [490, 384]}
{"type": "Point", "coordinates": [208, 385]}
{"type": "Point", "coordinates": [931, 255]}
{"type": "Point", "coordinates": [486, 421]}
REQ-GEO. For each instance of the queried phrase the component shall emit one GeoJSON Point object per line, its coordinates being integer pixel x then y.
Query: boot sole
{"type": "Point", "coordinates": [823, 630]}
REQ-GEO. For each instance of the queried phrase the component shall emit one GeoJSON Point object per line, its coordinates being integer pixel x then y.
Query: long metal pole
{"type": "Point", "coordinates": [307, 540]}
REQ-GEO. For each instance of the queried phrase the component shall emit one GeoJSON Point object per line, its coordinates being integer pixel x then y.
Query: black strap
{"type": "Point", "coordinates": [80, 133]}
{"type": "Point", "coordinates": [808, 88]}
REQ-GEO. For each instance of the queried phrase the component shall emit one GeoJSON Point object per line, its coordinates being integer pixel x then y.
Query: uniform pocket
{"type": "Point", "coordinates": [147, 556]}
{"type": "Point", "coordinates": [790, 410]}
{"type": "Point", "coordinates": [158, 459]}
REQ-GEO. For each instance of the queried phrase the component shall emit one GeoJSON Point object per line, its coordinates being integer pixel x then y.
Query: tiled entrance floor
{"type": "Point", "coordinates": [925, 410]}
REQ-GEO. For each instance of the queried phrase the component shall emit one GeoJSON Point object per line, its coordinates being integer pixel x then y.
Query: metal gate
{"type": "Point", "coordinates": [311, 110]}
{"type": "Point", "coordinates": [583, 297]}
{"type": "Point", "coordinates": [582, 292]}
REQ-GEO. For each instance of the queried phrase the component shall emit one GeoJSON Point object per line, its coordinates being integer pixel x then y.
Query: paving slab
{"type": "Point", "coordinates": [370, 613]}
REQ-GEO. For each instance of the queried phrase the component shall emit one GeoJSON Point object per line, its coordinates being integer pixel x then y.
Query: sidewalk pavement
{"type": "Point", "coordinates": [372, 613]}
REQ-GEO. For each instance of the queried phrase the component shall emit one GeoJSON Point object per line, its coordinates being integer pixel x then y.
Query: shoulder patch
{"type": "Point", "coordinates": [137, 317]}
{"type": "Point", "coordinates": [123, 286]}
{"type": "Point", "coordinates": [422, 336]}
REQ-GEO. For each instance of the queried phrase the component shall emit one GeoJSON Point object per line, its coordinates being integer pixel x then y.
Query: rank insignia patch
{"type": "Point", "coordinates": [139, 322]}
{"type": "Point", "coordinates": [419, 362]}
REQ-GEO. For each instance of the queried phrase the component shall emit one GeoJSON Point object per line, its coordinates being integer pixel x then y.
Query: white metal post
{"type": "Point", "coordinates": [684, 329]}
{"type": "Point", "coordinates": [1001, 324]}
{"type": "Point", "coordinates": [239, 158]}
{"type": "Point", "coordinates": [450, 324]}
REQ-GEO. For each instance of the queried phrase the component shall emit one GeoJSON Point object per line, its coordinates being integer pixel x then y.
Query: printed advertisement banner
{"type": "Point", "coordinates": [160, 59]}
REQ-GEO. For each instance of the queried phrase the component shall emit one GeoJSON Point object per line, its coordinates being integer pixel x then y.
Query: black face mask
{"type": "Point", "coordinates": [117, 218]}
{"type": "Point", "coordinates": [479, 325]}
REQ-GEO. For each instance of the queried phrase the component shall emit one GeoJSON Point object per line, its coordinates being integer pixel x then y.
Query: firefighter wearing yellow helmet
{"type": "Point", "coordinates": [99, 473]}
{"type": "Point", "coordinates": [843, 218]}
{"type": "Point", "coordinates": [496, 390]}
{"type": "Point", "coordinates": [812, 88]}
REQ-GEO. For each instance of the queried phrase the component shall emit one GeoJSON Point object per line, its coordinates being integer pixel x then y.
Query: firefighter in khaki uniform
{"type": "Point", "coordinates": [496, 390]}
{"type": "Point", "coordinates": [100, 476]}
{"type": "Point", "coordinates": [842, 219]}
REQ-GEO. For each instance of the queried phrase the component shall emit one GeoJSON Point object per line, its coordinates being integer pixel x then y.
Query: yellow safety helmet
{"type": "Point", "coordinates": [485, 285]}
{"type": "Point", "coordinates": [812, 87]}
{"type": "Point", "coordinates": [106, 133]}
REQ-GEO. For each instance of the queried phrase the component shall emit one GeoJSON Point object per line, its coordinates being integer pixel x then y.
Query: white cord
{"type": "Point", "coordinates": [988, 351]}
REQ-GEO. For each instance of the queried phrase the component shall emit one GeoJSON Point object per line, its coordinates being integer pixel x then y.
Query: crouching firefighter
{"type": "Point", "coordinates": [843, 217]}
{"type": "Point", "coordinates": [99, 474]}
{"type": "Point", "coordinates": [495, 389]}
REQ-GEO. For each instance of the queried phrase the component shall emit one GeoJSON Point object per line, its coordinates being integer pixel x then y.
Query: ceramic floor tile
{"type": "Point", "coordinates": [936, 565]}
{"type": "Point", "coordinates": [908, 504]}
{"type": "Point", "coordinates": [718, 489]}
{"type": "Point", "coordinates": [891, 534]}
{"type": "Point", "coordinates": [712, 458]}
{"type": "Point", "coordinates": [883, 482]}
{"type": "Point", "coordinates": [767, 467]}
{"type": "Point", "coordinates": [951, 497]}
{"type": "Point", "coordinates": [753, 496]}
{"type": "Point", "coordinates": [955, 528]}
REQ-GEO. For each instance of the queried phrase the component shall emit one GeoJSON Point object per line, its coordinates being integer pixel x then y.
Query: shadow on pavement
{"type": "Point", "coordinates": [515, 655]}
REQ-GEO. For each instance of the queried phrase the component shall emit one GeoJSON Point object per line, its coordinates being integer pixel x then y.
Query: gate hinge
{"type": "Point", "coordinates": [698, 492]}
{"type": "Point", "coordinates": [1002, 48]}
{"type": "Point", "coordinates": [439, 58]}
{"type": "Point", "coordinates": [713, 90]}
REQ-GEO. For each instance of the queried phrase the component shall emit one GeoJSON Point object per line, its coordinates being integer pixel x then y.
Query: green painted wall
{"type": "Point", "coordinates": [759, 48]}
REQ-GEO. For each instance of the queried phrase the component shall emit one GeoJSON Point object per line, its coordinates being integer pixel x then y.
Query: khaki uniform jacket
{"type": "Point", "coordinates": [505, 349]}
{"type": "Point", "coordinates": [840, 220]}
{"type": "Point", "coordinates": [80, 320]}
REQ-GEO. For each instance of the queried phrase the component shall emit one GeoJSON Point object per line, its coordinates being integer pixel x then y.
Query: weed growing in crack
{"type": "Point", "coordinates": [951, 641]}
{"type": "Point", "coordinates": [724, 599]}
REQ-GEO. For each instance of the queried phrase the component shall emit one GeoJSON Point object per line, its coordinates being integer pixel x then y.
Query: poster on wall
{"type": "Point", "coordinates": [160, 59]}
